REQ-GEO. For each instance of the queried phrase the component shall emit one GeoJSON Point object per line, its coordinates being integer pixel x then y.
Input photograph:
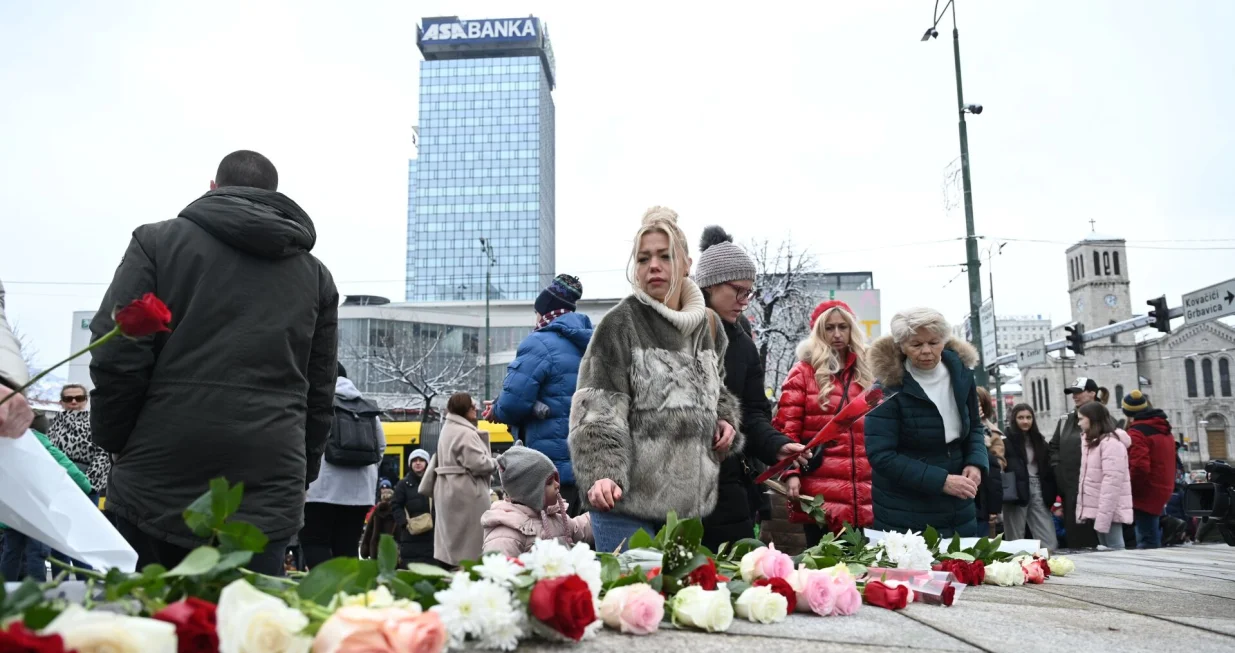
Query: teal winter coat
{"type": "Point", "coordinates": [909, 458]}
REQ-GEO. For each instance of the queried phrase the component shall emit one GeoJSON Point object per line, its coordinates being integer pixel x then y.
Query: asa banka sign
{"type": "Point", "coordinates": [453, 30]}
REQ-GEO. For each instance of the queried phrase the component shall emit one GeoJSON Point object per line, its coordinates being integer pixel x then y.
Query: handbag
{"type": "Point", "coordinates": [429, 479]}
{"type": "Point", "coordinates": [1010, 491]}
{"type": "Point", "coordinates": [422, 523]}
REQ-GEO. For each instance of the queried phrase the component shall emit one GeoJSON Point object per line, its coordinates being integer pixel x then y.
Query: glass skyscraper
{"type": "Point", "coordinates": [485, 167]}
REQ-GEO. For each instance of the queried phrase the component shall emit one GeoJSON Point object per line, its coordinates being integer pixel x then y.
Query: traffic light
{"type": "Point", "coordinates": [1076, 338]}
{"type": "Point", "coordinates": [1161, 315]}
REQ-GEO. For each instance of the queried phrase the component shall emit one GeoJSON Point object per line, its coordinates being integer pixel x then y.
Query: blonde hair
{"type": "Point", "coordinates": [664, 220]}
{"type": "Point", "coordinates": [816, 351]}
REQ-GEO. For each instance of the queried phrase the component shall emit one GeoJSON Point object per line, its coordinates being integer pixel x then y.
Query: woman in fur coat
{"type": "Point", "coordinates": [651, 420]}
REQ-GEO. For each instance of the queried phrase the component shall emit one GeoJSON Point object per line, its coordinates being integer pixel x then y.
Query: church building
{"type": "Point", "coordinates": [1186, 373]}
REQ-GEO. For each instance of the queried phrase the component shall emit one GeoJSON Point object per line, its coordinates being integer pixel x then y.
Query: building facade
{"type": "Point", "coordinates": [486, 161]}
{"type": "Point", "coordinates": [1011, 331]}
{"type": "Point", "coordinates": [1186, 373]}
{"type": "Point", "coordinates": [404, 355]}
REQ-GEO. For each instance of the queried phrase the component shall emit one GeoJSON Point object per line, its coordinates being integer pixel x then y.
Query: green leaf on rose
{"type": "Point", "coordinates": [232, 560]}
{"type": "Point", "coordinates": [426, 590]}
{"type": "Point", "coordinates": [38, 617]}
{"type": "Point", "coordinates": [736, 587]}
{"type": "Point", "coordinates": [956, 543]}
{"type": "Point", "coordinates": [387, 556]}
{"type": "Point", "coordinates": [218, 501]}
{"type": "Point", "coordinates": [347, 575]}
{"type": "Point", "coordinates": [199, 561]}
{"type": "Point", "coordinates": [421, 570]}
{"type": "Point", "coordinates": [234, 496]}
{"type": "Point", "coordinates": [931, 535]}
{"type": "Point", "coordinates": [402, 589]}
{"type": "Point", "coordinates": [959, 555]}
{"type": "Point", "coordinates": [241, 536]}
{"type": "Point", "coordinates": [744, 546]}
{"type": "Point", "coordinates": [610, 569]}
{"type": "Point", "coordinates": [640, 540]}
{"type": "Point", "coordinates": [689, 533]}
{"type": "Point", "coordinates": [199, 516]}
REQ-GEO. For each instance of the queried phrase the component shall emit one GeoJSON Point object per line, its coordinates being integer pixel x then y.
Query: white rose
{"type": "Point", "coordinates": [107, 632]}
{"type": "Point", "coordinates": [251, 621]}
{"type": "Point", "coordinates": [762, 605]}
{"type": "Point", "coordinates": [1005, 574]}
{"type": "Point", "coordinates": [749, 565]}
{"type": "Point", "coordinates": [699, 608]}
{"type": "Point", "coordinates": [1061, 566]}
{"type": "Point", "coordinates": [378, 598]}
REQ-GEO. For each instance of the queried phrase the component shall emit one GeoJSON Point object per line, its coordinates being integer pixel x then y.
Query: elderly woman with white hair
{"type": "Point", "coordinates": [926, 444]}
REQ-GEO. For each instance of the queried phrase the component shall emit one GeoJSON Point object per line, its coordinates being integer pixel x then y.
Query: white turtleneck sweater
{"type": "Point", "coordinates": [937, 384]}
{"type": "Point", "coordinates": [693, 307]}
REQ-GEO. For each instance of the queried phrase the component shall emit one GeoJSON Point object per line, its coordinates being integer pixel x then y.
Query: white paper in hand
{"type": "Point", "coordinates": [38, 498]}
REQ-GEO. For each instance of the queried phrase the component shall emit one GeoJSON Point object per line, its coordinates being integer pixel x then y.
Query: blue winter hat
{"type": "Point", "coordinates": [563, 294]}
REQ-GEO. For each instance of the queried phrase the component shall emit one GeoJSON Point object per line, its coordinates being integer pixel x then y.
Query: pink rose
{"type": "Point", "coordinates": [393, 630]}
{"type": "Point", "coordinates": [848, 598]}
{"type": "Point", "coordinates": [1033, 573]}
{"type": "Point", "coordinates": [775, 564]}
{"type": "Point", "coordinates": [634, 609]}
{"type": "Point", "coordinates": [817, 591]}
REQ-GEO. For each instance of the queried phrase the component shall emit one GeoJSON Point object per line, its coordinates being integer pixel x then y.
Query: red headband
{"type": "Point", "coordinates": [825, 307]}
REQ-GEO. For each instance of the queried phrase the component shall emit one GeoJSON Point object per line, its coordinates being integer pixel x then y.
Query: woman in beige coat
{"type": "Point", "coordinates": [461, 491]}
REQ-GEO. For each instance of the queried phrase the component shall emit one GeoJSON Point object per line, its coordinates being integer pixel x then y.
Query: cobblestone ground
{"type": "Point", "coordinates": [1177, 599]}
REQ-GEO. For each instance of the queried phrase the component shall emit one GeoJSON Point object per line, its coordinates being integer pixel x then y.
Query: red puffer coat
{"type": "Point", "coordinates": [844, 475]}
{"type": "Point", "coordinates": [1151, 461]}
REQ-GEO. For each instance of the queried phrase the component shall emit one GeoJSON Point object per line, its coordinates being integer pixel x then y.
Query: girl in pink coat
{"type": "Point", "coordinates": [533, 508]}
{"type": "Point", "coordinates": [1105, 489]}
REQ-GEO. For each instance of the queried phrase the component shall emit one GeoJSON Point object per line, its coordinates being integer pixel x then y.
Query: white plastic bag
{"type": "Point", "coordinates": [38, 498]}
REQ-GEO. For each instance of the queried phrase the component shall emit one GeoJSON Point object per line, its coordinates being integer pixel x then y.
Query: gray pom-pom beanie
{"type": "Point", "coordinates": [524, 472]}
{"type": "Point", "coordinates": [721, 261]}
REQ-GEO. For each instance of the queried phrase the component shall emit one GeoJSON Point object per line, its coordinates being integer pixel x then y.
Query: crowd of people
{"type": "Point", "coordinates": [661, 406]}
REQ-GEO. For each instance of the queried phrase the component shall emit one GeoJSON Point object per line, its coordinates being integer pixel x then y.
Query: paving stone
{"type": "Point", "coordinates": [1160, 603]}
{"type": "Point", "coordinates": [1191, 583]}
{"type": "Point", "coordinates": [1219, 625]}
{"type": "Point", "coordinates": [693, 642]}
{"type": "Point", "coordinates": [1025, 596]}
{"type": "Point", "coordinates": [1051, 630]}
{"type": "Point", "coordinates": [871, 625]}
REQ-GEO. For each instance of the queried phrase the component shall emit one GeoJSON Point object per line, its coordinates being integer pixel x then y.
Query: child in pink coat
{"type": "Point", "coordinates": [1105, 488]}
{"type": "Point", "coordinates": [533, 508]}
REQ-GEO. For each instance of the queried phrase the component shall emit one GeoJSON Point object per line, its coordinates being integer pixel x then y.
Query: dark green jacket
{"type": "Point", "coordinates": [905, 445]}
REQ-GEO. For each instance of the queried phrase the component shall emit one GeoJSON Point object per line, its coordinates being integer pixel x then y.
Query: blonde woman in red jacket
{"type": "Point", "coordinates": [832, 370]}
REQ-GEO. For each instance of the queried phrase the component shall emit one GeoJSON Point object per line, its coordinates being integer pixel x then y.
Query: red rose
{"type": "Point", "coordinates": [196, 625]}
{"type": "Point", "coordinates": [705, 576]}
{"type": "Point", "coordinates": [653, 572]}
{"type": "Point", "coordinates": [959, 568]}
{"type": "Point", "coordinates": [880, 595]}
{"type": "Point", "coordinates": [977, 572]}
{"type": "Point", "coordinates": [949, 595]}
{"type": "Point", "coordinates": [782, 587]}
{"type": "Point", "coordinates": [143, 317]}
{"type": "Point", "coordinates": [1046, 568]}
{"type": "Point", "coordinates": [564, 604]}
{"type": "Point", "coordinates": [19, 639]}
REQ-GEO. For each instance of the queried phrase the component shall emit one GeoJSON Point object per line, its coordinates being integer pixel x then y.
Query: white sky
{"type": "Point", "coordinates": [827, 121]}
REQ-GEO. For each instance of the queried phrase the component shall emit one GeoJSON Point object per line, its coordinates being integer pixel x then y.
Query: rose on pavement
{"type": "Point", "coordinates": [565, 604]}
{"type": "Point", "coordinates": [705, 576]}
{"type": "Point", "coordinates": [634, 609]}
{"type": "Point", "coordinates": [848, 599]}
{"type": "Point", "coordinates": [816, 591]}
{"type": "Point", "coordinates": [19, 639]}
{"type": "Point", "coordinates": [1005, 574]}
{"type": "Point", "coordinates": [353, 629]}
{"type": "Point", "coordinates": [196, 624]}
{"type": "Point", "coordinates": [765, 562]}
{"type": "Point", "coordinates": [761, 605]}
{"type": "Point", "coordinates": [1061, 566]}
{"type": "Point", "coordinates": [1033, 572]}
{"type": "Point", "coordinates": [251, 621]}
{"type": "Point", "coordinates": [698, 608]}
{"type": "Point", "coordinates": [880, 594]}
{"type": "Point", "coordinates": [90, 631]}
{"type": "Point", "coordinates": [782, 587]}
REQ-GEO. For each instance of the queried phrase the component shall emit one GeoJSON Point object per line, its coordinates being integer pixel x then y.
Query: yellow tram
{"type": "Point", "coordinates": [402, 438]}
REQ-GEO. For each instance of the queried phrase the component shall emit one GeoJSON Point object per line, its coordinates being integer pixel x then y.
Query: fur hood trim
{"type": "Point", "coordinates": [888, 363]}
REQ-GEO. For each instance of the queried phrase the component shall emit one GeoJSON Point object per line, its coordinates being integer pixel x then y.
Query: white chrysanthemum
{"type": "Point", "coordinates": [456, 606]}
{"type": "Point", "coordinates": [906, 551]}
{"type": "Point", "coordinates": [548, 559]}
{"type": "Point", "coordinates": [483, 611]}
{"type": "Point", "coordinates": [499, 569]}
{"type": "Point", "coordinates": [587, 566]}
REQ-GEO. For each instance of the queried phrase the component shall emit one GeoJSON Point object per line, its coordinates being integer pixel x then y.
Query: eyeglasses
{"type": "Point", "coordinates": [75, 399]}
{"type": "Point", "coordinates": [742, 292]}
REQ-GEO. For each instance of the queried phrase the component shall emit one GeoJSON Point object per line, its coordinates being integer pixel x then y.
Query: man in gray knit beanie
{"type": "Point", "coordinates": [524, 473]}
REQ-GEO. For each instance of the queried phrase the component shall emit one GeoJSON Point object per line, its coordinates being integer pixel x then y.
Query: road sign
{"type": "Point", "coordinates": [990, 345]}
{"type": "Point", "coordinates": [1031, 354]}
{"type": "Point", "coordinates": [1210, 303]}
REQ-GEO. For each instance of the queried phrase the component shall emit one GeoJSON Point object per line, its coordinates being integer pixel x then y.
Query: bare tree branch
{"type": "Point", "coordinates": [411, 360]}
{"type": "Point", "coordinates": [780, 310]}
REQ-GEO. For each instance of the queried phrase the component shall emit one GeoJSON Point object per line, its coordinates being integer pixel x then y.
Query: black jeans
{"type": "Point", "coordinates": [151, 550]}
{"type": "Point", "coordinates": [331, 531]}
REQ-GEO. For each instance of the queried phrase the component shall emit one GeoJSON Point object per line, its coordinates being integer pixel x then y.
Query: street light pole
{"type": "Point", "coordinates": [971, 241]}
{"type": "Point", "coordinates": [487, 248]}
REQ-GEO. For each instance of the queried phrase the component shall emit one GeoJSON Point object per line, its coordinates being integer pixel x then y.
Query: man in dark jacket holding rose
{"type": "Point", "coordinates": [240, 388]}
